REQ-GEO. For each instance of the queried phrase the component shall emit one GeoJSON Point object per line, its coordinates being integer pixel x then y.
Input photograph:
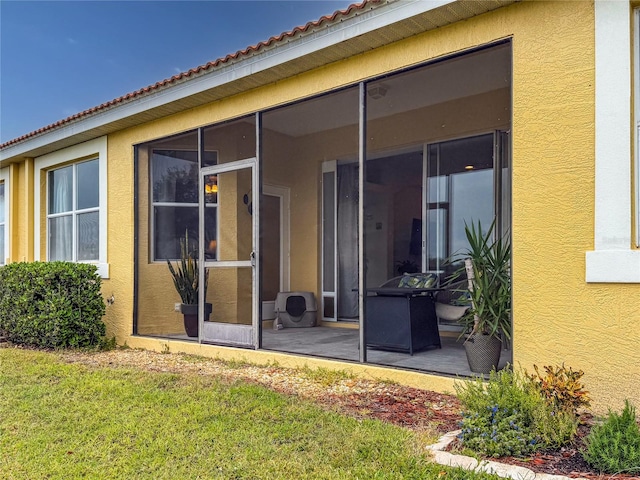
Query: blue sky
{"type": "Point", "coordinates": [58, 58]}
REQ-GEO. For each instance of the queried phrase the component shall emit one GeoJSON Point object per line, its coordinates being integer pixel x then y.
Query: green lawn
{"type": "Point", "coordinates": [69, 421]}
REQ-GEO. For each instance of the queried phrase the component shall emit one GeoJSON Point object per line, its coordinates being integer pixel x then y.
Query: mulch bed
{"type": "Point", "coordinates": [409, 407]}
{"type": "Point", "coordinates": [412, 408]}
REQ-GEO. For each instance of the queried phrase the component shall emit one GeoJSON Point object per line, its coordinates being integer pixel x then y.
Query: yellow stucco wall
{"type": "Point", "coordinates": [558, 317]}
{"type": "Point", "coordinates": [20, 221]}
{"type": "Point", "coordinates": [120, 240]}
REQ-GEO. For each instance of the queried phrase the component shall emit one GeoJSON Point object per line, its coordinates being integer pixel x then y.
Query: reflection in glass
{"type": "Point", "coordinates": [60, 238]}
{"type": "Point", "coordinates": [328, 231]}
{"type": "Point", "coordinates": [60, 190]}
{"type": "Point", "coordinates": [175, 176]}
{"type": "Point", "coordinates": [88, 236]}
{"type": "Point", "coordinates": [210, 233]}
{"type": "Point", "coordinates": [2, 202]}
{"type": "Point", "coordinates": [211, 189]}
{"type": "Point", "coordinates": [87, 185]}
{"type": "Point", "coordinates": [437, 240]}
{"type": "Point", "coordinates": [174, 222]}
{"type": "Point", "coordinates": [459, 191]}
{"type": "Point", "coordinates": [171, 224]}
{"type": "Point", "coordinates": [473, 201]}
{"type": "Point", "coordinates": [175, 195]}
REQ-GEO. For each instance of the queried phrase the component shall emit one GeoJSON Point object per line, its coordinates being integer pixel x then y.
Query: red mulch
{"type": "Point", "coordinates": [415, 409]}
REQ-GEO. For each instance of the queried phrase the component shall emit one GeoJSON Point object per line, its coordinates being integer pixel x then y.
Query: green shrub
{"type": "Point", "coordinates": [614, 446]}
{"type": "Point", "coordinates": [51, 304]}
{"type": "Point", "coordinates": [553, 427]}
{"type": "Point", "coordinates": [497, 415]}
{"type": "Point", "coordinates": [507, 416]}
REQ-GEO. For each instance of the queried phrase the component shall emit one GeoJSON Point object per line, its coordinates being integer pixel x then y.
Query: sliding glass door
{"type": "Point", "coordinates": [459, 191]}
{"type": "Point", "coordinates": [340, 241]}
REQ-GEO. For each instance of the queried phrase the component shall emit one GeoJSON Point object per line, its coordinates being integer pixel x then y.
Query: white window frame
{"type": "Point", "coordinates": [74, 212]}
{"type": "Point", "coordinates": [614, 259]}
{"type": "Point", "coordinates": [4, 178]}
{"type": "Point", "coordinates": [76, 154]}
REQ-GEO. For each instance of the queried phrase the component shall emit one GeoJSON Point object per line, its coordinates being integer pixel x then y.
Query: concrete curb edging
{"type": "Point", "coordinates": [486, 466]}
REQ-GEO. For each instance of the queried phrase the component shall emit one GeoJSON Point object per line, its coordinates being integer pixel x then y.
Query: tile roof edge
{"type": "Point", "coordinates": [183, 76]}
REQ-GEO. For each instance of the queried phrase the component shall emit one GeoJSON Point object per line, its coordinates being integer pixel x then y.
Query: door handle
{"type": "Point", "coordinates": [253, 259]}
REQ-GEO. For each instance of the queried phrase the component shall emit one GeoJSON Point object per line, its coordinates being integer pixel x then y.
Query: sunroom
{"type": "Point", "coordinates": [331, 196]}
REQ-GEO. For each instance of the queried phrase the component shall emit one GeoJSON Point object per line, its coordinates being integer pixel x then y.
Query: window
{"type": "Point", "coordinates": [73, 225]}
{"type": "Point", "coordinates": [74, 215]}
{"type": "Point", "coordinates": [174, 177]}
{"type": "Point", "coordinates": [460, 190]}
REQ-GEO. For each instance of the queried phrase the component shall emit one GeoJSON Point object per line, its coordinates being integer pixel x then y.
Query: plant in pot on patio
{"type": "Point", "coordinates": [488, 320]}
{"type": "Point", "coordinates": [186, 280]}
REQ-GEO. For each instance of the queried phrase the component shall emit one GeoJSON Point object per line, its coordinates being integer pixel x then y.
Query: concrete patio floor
{"type": "Point", "coordinates": [342, 344]}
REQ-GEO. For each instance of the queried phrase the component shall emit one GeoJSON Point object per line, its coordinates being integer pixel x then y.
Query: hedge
{"type": "Point", "coordinates": [51, 304]}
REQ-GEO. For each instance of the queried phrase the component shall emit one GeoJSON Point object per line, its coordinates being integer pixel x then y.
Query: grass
{"type": "Point", "coordinates": [325, 376]}
{"type": "Point", "coordinates": [69, 421]}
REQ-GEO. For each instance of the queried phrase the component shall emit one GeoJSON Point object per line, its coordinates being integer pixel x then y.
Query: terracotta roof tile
{"type": "Point", "coordinates": [198, 70]}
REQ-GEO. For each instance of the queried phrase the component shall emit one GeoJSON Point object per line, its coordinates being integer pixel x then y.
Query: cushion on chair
{"type": "Point", "coordinates": [418, 280]}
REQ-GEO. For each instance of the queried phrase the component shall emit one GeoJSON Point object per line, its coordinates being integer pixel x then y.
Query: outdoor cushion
{"type": "Point", "coordinates": [418, 280]}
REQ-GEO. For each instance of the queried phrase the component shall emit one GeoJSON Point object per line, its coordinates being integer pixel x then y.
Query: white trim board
{"type": "Point", "coordinates": [97, 147]}
{"type": "Point", "coordinates": [4, 178]}
{"type": "Point", "coordinates": [612, 260]}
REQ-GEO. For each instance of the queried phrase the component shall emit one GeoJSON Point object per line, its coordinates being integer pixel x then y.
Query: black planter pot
{"type": "Point", "coordinates": [483, 352]}
{"type": "Point", "coordinates": [190, 313]}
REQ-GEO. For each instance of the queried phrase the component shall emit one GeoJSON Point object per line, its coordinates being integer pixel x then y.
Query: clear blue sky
{"type": "Point", "coordinates": [58, 58]}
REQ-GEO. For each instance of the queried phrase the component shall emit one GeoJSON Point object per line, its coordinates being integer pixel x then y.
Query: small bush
{"type": "Point", "coordinates": [614, 446]}
{"type": "Point", "coordinates": [497, 415]}
{"type": "Point", "coordinates": [561, 387]}
{"type": "Point", "coordinates": [554, 427]}
{"type": "Point", "coordinates": [51, 304]}
{"type": "Point", "coordinates": [508, 416]}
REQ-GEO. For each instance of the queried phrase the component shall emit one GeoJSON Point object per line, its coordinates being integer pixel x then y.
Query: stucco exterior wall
{"type": "Point", "coordinates": [557, 316]}
{"type": "Point", "coordinates": [120, 239]}
{"type": "Point", "coordinates": [20, 222]}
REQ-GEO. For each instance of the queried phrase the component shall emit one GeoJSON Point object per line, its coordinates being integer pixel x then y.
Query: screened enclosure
{"type": "Point", "coordinates": [335, 195]}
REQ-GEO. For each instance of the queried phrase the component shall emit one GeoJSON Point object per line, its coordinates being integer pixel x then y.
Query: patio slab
{"type": "Point", "coordinates": [342, 343]}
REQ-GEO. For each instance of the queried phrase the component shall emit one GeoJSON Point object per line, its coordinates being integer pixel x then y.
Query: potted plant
{"type": "Point", "coordinates": [407, 266]}
{"type": "Point", "coordinates": [186, 280]}
{"type": "Point", "coordinates": [488, 321]}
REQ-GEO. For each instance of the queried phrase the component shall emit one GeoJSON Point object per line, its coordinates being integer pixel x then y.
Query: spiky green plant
{"type": "Point", "coordinates": [490, 287]}
{"type": "Point", "coordinates": [185, 274]}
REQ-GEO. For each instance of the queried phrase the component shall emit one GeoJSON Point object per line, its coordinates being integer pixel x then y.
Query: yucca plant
{"type": "Point", "coordinates": [488, 263]}
{"type": "Point", "coordinates": [185, 274]}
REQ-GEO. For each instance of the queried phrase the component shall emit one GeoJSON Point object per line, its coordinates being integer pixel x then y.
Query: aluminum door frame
{"type": "Point", "coordinates": [228, 333]}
